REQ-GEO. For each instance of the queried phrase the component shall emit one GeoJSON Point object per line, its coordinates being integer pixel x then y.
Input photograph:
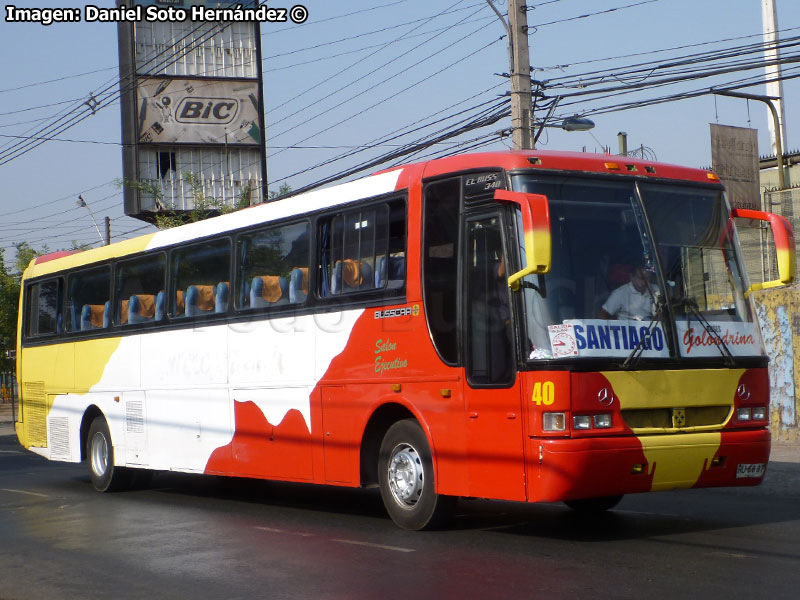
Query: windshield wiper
{"type": "Point", "coordinates": [658, 309]}
{"type": "Point", "coordinates": [694, 309]}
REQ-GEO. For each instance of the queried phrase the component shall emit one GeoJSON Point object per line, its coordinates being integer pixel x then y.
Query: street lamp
{"type": "Point", "coordinates": [82, 203]}
{"type": "Point", "coordinates": [575, 123]}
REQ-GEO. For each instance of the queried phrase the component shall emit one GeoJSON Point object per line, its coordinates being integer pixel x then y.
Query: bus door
{"type": "Point", "coordinates": [492, 390]}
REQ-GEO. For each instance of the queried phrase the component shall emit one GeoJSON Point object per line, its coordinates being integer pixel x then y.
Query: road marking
{"type": "Point", "coordinates": [10, 452]}
{"type": "Point", "coordinates": [273, 530]}
{"type": "Point", "coordinates": [24, 492]}
{"type": "Point", "coordinates": [353, 542]}
{"type": "Point", "coordinates": [733, 555]}
{"type": "Point", "coordinates": [381, 546]}
{"type": "Point", "coordinates": [270, 529]}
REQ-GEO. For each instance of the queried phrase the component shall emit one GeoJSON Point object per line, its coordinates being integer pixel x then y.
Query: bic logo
{"type": "Point", "coordinates": [207, 111]}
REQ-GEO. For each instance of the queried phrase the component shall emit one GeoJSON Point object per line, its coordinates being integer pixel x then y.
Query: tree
{"type": "Point", "coordinates": [25, 254]}
{"type": "Point", "coordinates": [284, 190]}
{"type": "Point", "coordinates": [9, 302]}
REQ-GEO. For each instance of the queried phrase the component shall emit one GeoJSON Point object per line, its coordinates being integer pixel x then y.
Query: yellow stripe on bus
{"type": "Point", "coordinates": [61, 369]}
{"type": "Point", "coordinates": [667, 389]}
{"type": "Point", "coordinates": [87, 257]}
{"type": "Point", "coordinates": [677, 461]}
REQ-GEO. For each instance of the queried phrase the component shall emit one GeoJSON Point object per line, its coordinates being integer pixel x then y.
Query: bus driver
{"type": "Point", "coordinates": [632, 300]}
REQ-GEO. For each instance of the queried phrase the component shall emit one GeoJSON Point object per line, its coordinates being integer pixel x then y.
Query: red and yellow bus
{"type": "Point", "coordinates": [530, 326]}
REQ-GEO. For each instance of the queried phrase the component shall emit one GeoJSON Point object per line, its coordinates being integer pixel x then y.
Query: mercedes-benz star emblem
{"type": "Point", "coordinates": [743, 392]}
{"type": "Point", "coordinates": [605, 397]}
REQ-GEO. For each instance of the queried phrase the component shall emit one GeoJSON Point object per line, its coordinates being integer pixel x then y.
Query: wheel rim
{"type": "Point", "coordinates": [406, 475]}
{"type": "Point", "coordinates": [99, 454]}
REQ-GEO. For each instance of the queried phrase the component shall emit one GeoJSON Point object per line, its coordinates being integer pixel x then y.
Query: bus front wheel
{"type": "Point", "coordinates": [405, 474]}
{"type": "Point", "coordinates": [105, 476]}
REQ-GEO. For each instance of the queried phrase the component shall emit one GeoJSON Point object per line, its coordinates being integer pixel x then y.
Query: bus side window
{"type": "Point", "coordinates": [44, 316]}
{"type": "Point", "coordinates": [200, 277]}
{"type": "Point", "coordinates": [88, 299]}
{"type": "Point", "coordinates": [363, 250]}
{"type": "Point", "coordinates": [273, 267]}
{"type": "Point", "coordinates": [390, 249]}
{"type": "Point", "coordinates": [140, 290]}
{"type": "Point", "coordinates": [440, 265]}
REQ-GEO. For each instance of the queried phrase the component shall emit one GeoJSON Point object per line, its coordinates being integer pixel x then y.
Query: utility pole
{"type": "Point", "coordinates": [777, 129]}
{"type": "Point", "coordinates": [521, 107]}
{"type": "Point", "coordinates": [108, 231]}
{"type": "Point", "coordinates": [519, 63]}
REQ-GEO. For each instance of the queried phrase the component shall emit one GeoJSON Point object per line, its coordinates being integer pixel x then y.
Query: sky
{"type": "Point", "coordinates": [358, 74]}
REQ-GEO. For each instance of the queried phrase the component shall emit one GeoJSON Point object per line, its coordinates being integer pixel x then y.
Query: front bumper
{"type": "Point", "coordinates": [568, 469]}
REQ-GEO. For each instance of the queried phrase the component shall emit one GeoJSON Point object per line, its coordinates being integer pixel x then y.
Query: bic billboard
{"type": "Point", "coordinates": [192, 111]}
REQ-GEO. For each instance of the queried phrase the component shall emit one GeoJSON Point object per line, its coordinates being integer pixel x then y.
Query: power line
{"type": "Point", "coordinates": [319, 21]}
{"type": "Point", "coordinates": [532, 28]}
{"type": "Point", "coordinates": [648, 52]}
{"type": "Point", "coordinates": [398, 93]}
{"type": "Point", "coordinates": [490, 116]}
{"type": "Point", "coordinates": [299, 110]}
{"type": "Point", "coordinates": [100, 102]}
{"type": "Point", "coordinates": [373, 32]}
{"type": "Point", "coordinates": [55, 139]}
{"type": "Point", "coordinates": [370, 47]}
{"type": "Point", "coordinates": [58, 79]}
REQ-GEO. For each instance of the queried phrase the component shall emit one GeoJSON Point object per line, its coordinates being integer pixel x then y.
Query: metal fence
{"type": "Point", "coordinates": [8, 387]}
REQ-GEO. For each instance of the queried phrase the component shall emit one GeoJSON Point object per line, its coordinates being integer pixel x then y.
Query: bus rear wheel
{"type": "Point", "coordinates": [593, 505]}
{"type": "Point", "coordinates": [405, 475]}
{"type": "Point", "coordinates": [105, 476]}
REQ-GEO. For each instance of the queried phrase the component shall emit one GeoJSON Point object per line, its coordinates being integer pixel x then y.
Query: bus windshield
{"type": "Point", "coordinates": [639, 270]}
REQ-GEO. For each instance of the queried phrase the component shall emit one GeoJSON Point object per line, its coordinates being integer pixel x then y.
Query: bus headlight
{"type": "Point", "coordinates": [581, 422]}
{"type": "Point", "coordinates": [760, 413]}
{"type": "Point", "coordinates": [743, 414]}
{"type": "Point", "coordinates": [602, 421]}
{"type": "Point", "coordinates": [554, 421]}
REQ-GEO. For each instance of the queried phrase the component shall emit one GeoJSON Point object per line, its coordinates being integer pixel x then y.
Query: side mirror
{"type": "Point", "coordinates": [535, 211]}
{"type": "Point", "coordinates": [784, 245]}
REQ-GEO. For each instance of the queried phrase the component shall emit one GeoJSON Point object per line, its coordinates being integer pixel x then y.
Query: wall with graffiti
{"type": "Point", "coordinates": [778, 313]}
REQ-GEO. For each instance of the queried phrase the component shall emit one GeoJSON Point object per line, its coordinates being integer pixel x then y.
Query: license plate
{"type": "Point", "coordinates": [750, 470]}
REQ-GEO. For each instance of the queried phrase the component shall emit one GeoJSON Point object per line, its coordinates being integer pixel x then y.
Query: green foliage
{"type": "Point", "coordinates": [25, 254]}
{"type": "Point", "coordinates": [284, 190]}
{"type": "Point", "coordinates": [9, 302]}
{"type": "Point", "coordinates": [204, 206]}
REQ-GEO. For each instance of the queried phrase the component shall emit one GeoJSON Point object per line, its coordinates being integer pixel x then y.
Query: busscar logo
{"type": "Point", "coordinates": [207, 111]}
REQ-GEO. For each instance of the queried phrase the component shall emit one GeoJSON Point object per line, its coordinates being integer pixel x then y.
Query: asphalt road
{"type": "Point", "coordinates": [197, 537]}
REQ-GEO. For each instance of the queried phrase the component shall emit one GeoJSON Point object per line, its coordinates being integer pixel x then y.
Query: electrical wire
{"type": "Point", "coordinates": [6, 155]}
{"type": "Point", "coordinates": [398, 93]}
{"type": "Point", "coordinates": [299, 110]}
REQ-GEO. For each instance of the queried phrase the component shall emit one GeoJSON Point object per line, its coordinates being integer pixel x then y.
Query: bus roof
{"type": "Point", "coordinates": [381, 182]}
{"type": "Point", "coordinates": [564, 161]}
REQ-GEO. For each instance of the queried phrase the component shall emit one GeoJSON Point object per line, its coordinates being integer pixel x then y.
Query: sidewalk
{"type": "Point", "coordinates": [785, 453]}
{"type": "Point", "coordinates": [5, 412]}
{"type": "Point", "coordinates": [6, 419]}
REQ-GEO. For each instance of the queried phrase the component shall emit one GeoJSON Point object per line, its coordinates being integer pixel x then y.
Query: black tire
{"type": "Point", "coordinates": [105, 476]}
{"type": "Point", "coordinates": [593, 505]}
{"type": "Point", "coordinates": [405, 475]}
